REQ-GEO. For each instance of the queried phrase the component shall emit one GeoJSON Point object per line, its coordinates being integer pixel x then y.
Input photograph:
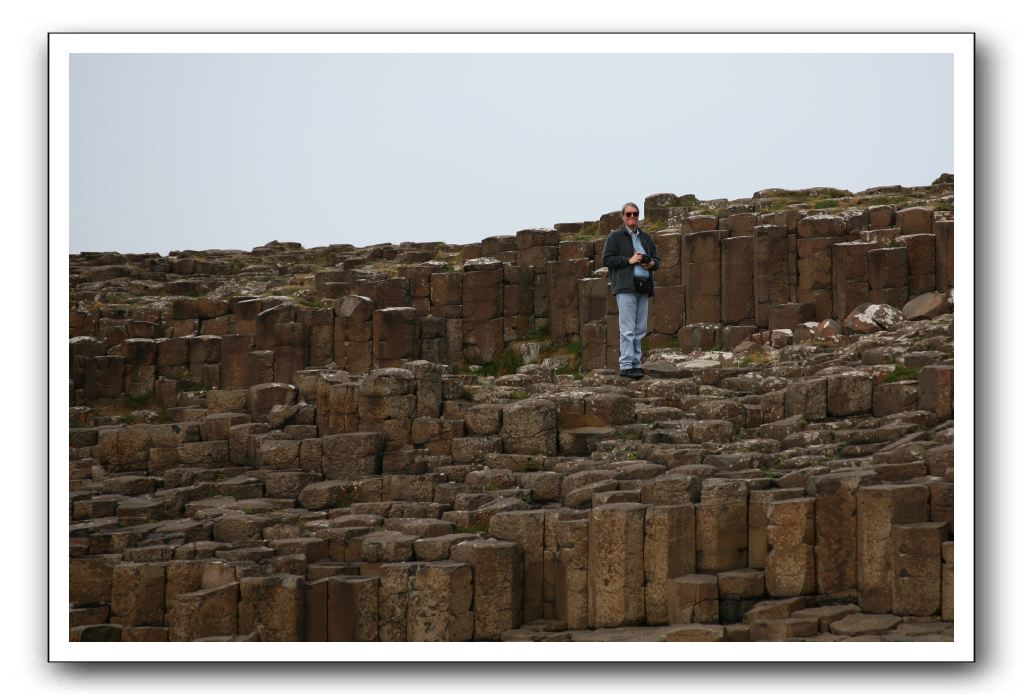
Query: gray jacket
{"type": "Point", "coordinates": [618, 250]}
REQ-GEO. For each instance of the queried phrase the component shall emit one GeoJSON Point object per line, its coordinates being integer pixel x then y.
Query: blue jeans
{"type": "Point", "coordinates": [632, 315]}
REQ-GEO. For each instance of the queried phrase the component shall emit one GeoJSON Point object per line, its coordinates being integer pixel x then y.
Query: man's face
{"type": "Point", "coordinates": [631, 216]}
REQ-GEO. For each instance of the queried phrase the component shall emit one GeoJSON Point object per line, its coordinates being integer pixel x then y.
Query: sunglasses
{"type": "Point", "coordinates": [632, 214]}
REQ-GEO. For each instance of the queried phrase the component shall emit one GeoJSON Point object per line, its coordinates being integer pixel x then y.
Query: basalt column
{"type": "Point", "coordinates": [483, 310]}
{"type": "Point", "coordinates": [353, 334]}
{"type": "Point", "coordinates": [878, 509]}
{"type": "Point", "coordinates": [703, 277]}
{"type": "Point", "coordinates": [737, 279]}
{"type": "Point", "coordinates": [770, 270]}
{"type": "Point", "coordinates": [616, 574]}
{"type": "Point", "coordinates": [816, 235]}
{"type": "Point", "coordinates": [849, 275]}
{"type": "Point", "coordinates": [563, 299]}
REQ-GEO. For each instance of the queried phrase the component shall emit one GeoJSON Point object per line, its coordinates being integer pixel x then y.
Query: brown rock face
{"type": "Point", "coordinates": [703, 277]}
{"type": "Point", "coordinates": [737, 305]}
{"type": "Point", "coordinates": [692, 598]}
{"type": "Point", "coordinates": [878, 509]}
{"type": "Point", "coordinates": [563, 311]}
{"type": "Point", "coordinates": [526, 529]}
{"type": "Point", "coordinates": [395, 336]}
{"type": "Point", "coordinates": [849, 275]}
{"type": "Point", "coordinates": [870, 318]}
{"type": "Point", "coordinates": [849, 394]}
{"type": "Point", "coordinates": [272, 607]}
{"type": "Point", "coordinates": [432, 442]}
{"type": "Point", "coordinates": [790, 569]}
{"type": "Point", "coordinates": [835, 524]}
{"type": "Point", "coordinates": [916, 568]}
{"type": "Point", "coordinates": [927, 305]}
{"type": "Point", "coordinates": [616, 574]}
{"type": "Point", "coordinates": [204, 613]}
{"type": "Point", "coordinates": [914, 220]}
{"type": "Point", "coordinates": [137, 593]}
{"type": "Point", "coordinates": [352, 605]}
{"type": "Point", "coordinates": [669, 550]}
{"type": "Point", "coordinates": [497, 582]}
{"type": "Point", "coordinates": [722, 535]}
{"type": "Point", "coordinates": [936, 383]}
{"type": "Point", "coordinates": [530, 427]}
{"type": "Point", "coordinates": [888, 275]}
{"type": "Point", "coordinates": [439, 603]}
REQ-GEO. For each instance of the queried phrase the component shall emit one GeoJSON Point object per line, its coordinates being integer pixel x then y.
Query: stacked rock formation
{"type": "Point", "coordinates": [320, 444]}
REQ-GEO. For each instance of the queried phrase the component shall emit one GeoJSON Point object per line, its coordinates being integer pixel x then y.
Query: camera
{"type": "Point", "coordinates": [644, 259]}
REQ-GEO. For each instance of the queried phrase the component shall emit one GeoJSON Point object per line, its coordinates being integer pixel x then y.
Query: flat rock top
{"type": "Point", "coordinates": [623, 634]}
{"type": "Point", "coordinates": [700, 364]}
{"type": "Point", "coordinates": [826, 611]}
{"type": "Point", "coordinates": [666, 370]}
{"type": "Point", "coordinates": [865, 624]}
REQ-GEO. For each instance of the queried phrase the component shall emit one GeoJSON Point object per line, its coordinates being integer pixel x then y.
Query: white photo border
{"type": "Point", "coordinates": [63, 45]}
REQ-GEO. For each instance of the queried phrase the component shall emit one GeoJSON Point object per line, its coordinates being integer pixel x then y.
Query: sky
{"type": "Point", "coordinates": [230, 151]}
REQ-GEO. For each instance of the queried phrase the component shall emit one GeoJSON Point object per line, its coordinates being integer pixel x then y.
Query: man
{"type": "Point", "coordinates": [631, 256]}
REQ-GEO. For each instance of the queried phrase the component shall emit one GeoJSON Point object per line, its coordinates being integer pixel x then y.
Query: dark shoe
{"type": "Point", "coordinates": [627, 373]}
{"type": "Point", "coordinates": [637, 373]}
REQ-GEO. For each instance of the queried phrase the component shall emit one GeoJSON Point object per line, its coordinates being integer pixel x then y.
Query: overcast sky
{"type": "Point", "coordinates": [196, 151]}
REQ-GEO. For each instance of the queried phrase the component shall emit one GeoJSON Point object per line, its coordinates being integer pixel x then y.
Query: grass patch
{"type": "Point", "coordinates": [446, 254]}
{"type": "Point", "coordinates": [190, 385]}
{"type": "Point", "coordinates": [830, 193]}
{"type": "Point", "coordinates": [532, 466]}
{"type": "Point", "coordinates": [311, 303]}
{"type": "Point", "coordinates": [519, 395]}
{"type": "Point", "coordinates": [777, 204]}
{"type": "Point", "coordinates": [903, 373]}
{"type": "Point", "coordinates": [540, 334]}
{"type": "Point", "coordinates": [586, 232]}
{"type": "Point", "coordinates": [897, 200]}
{"type": "Point", "coordinates": [570, 369]}
{"type": "Point", "coordinates": [145, 401]}
{"type": "Point", "coordinates": [753, 359]}
{"type": "Point", "coordinates": [573, 351]}
{"type": "Point", "coordinates": [802, 194]}
{"type": "Point", "coordinates": [475, 528]}
{"type": "Point", "coordinates": [505, 362]}
{"type": "Point", "coordinates": [823, 204]}
{"type": "Point", "coordinates": [589, 230]}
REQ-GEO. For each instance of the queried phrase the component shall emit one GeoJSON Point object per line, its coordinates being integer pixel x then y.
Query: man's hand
{"type": "Point", "coordinates": [649, 265]}
{"type": "Point", "coordinates": [636, 258]}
